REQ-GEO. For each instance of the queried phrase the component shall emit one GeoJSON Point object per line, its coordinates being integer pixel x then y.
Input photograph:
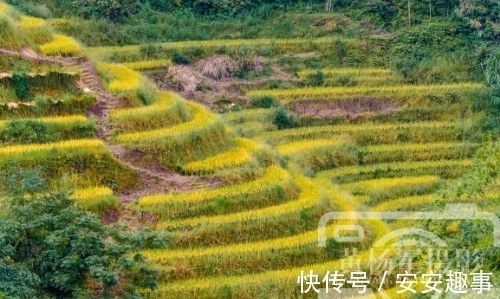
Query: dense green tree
{"type": "Point", "coordinates": [481, 15]}
{"type": "Point", "coordinates": [492, 72]}
{"type": "Point", "coordinates": [49, 248]}
{"type": "Point", "coordinates": [111, 9]}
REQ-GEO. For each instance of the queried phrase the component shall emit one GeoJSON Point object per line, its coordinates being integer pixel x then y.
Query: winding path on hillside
{"type": "Point", "coordinates": [153, 178]}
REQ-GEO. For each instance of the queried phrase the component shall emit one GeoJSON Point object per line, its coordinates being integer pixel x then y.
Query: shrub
{"type": "Point", "coordinates": [180, 58]}
{"type": "Point", "coordinates": [29, 131]}
{"type": "Point", "coordinates": [52, 249]}
{"type": "Point", "coordinates": [21, 86]}
{"type": "Point", "coordinates": [316, 79]}
{"type": "Point", "coordinates": [263, 102]}
{"type": "Point", "coordinates": [150, 51]}
{"type": "Point", "coordinates": [492, 72]}
{"type": "Point", "coordinates": [42, 130]}
{"type": "Point", "coordinates": [284, 119]}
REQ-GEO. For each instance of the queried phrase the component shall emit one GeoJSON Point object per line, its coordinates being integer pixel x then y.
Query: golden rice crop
{"type": "Point", "coordinates": [328, 73]}
{"type": "Point", "coordinates": [87, 160]}
{"type": "Point", "coordinates": [373, 130]}
{"type": "Point", "coordinates": [91, 193]}
{"type": "Point", "coordinates": [168, 109]}
{"type": "Point", "coordinates": [253, 128]}
{"type": "Point", "coordinates": [293, 148]}
{"type": "Point", "coordinates": [412, 203]}
{"type": "Point", "coordinates": [296, 241]}
{"type": "Point", "coordinates": [96, 199]}
{"type": "Point", "coordinates": [283, 281]}
{"type": "Point", "coordinates": [164, 99]}
{"type": "Point", "coordinates": [31, 22]}
{"type": "Point", "coordinates": [145, 65]}
{"type": "Point", "coordinates": [343, 201]}
{"type": "Point", "coordinates": [88, 144]}
{"type": "Point", "coordinates": [416, 151]}
{"type": "Point", "coordinates": [201, 136]}
{"type": "Point", "coordinates": [123, 78]}
{"type": "Point", "coordinates": [201, 119]}
{"type": "Point", "coordinates": [339, 92]}
{"type": "Point", "coordinates": [392, 167]}
{"type": "Point", "coordinates": [36, 29]}
{"type": "Point", "coordinates": [284, 45]}
{"type": "Point", "coordinates": [247, 115]}
{"type": "Point", "coordinates": [272, 176]}
{"type": "Point", "coordinates": [310, 193]}
{"type": "Point", "coordinates": [413, 147]}
{"type": "Point", "coordinates": [4, 8]}
{"type": "Point", "coordinates": [61, 46]}
{"type": "Point", "coordinates": [386, 184]}
{"type": "Point", "coordinates": [247, 144]}
{"type": "Point", "coordinates": [408, 203]}
{"type": "Point", "coordinates": [238, 156]}
{"type": "Point", "coordinates": [63, 120]}
{"type": "Point", "coordinates": [233, 158]}
{"type": "Point", "coordinates": [242, 251]}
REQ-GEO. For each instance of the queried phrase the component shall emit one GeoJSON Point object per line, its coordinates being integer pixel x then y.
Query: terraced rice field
{"type": "Point", "coordinates": [236, 238]}
{"type": "Point", "coordinates": [253, 234]}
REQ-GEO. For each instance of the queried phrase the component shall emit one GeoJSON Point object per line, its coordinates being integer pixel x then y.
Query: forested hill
{"type": "Point", "coordinates": [130, 21]}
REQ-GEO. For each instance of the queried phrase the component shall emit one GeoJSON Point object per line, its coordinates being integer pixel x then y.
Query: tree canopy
{"type": "Point", "coordinates": [50, 248]}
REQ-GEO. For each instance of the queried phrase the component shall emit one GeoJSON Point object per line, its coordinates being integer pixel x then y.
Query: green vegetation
{"type": "Point", "coordinates": [25, 131]}
{"type": "Point", "coordinates": [52, 249]}
{"type": "Point", "coordinates": [21, 86]}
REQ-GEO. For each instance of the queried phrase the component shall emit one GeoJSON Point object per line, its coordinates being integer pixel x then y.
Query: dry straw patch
{"type": "Point", "coordinates": [217, 67]}
{"type": "Point", "coordinates": [183, 78]}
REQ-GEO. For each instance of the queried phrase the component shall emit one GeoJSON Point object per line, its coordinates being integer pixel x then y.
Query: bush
{"type": "Point", "coordinates": [264, 102]}
{"type": "Point", "coordinates": [180, 58]}
{"type": "Point", "coordinates": [316, 79]}
{"type": "Point", "coordinates": [21, 86]}
{"type": "Point", "coordinates": [26, 131]}
{"type": "Point", "coordinates": [492, 72]}
{"type": "Point", "coordinates": [150, 51]}
{"type": "Point", "coordinates": [52, 249]}
{"type": "Point", "coordinates": [29, 131]}
{"type": "Point", "coordinates": [284, 119]}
